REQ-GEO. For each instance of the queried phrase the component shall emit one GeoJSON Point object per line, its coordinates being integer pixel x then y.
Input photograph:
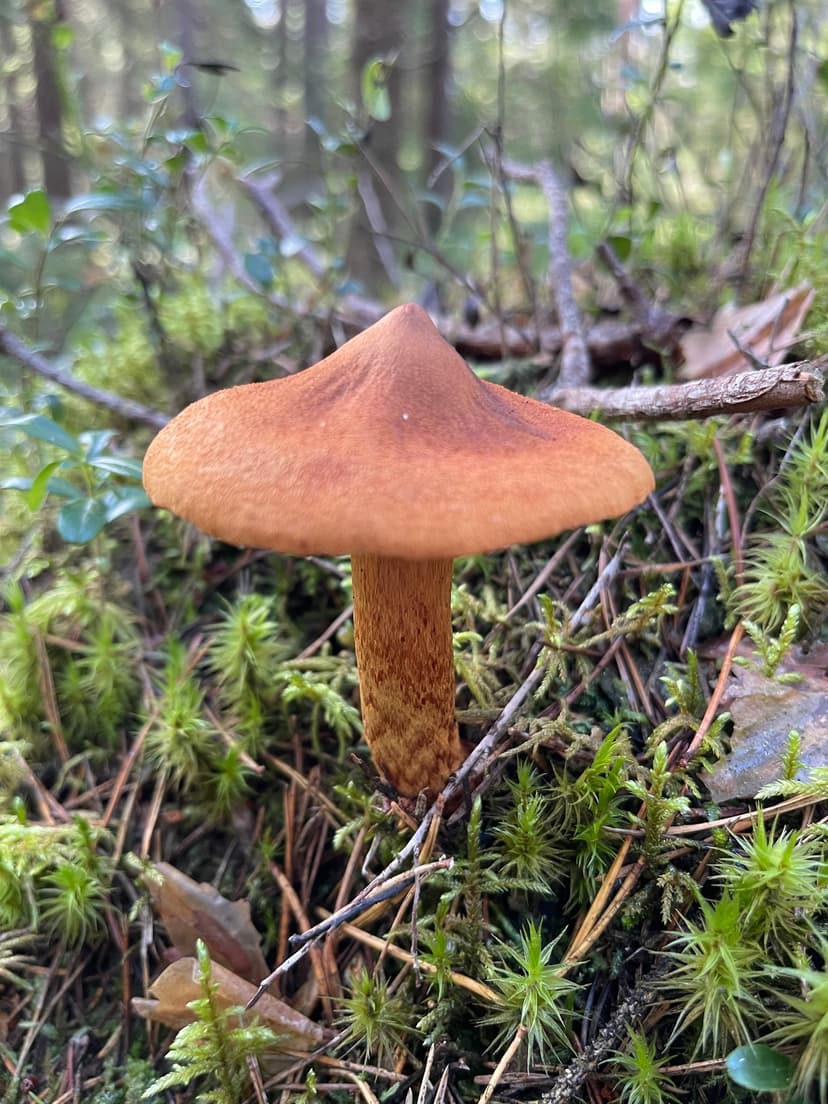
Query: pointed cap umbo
{"type": "Point", "coordinates": [389, 446]}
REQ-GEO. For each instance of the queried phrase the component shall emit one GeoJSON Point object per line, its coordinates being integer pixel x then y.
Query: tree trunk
{"type": "Point", "coordinates": [280, 80]}
{"type": "Point", "coordinates": [436, 113]}
{"type": "Point", "coordinates": [48, 102]}
{"type": "Point", "coordinates": [315, 83]}
{"type": "Point", "coordinates": [378, 33]}
{"type": "Point", "coordinates": [12, 175]}
{"type": "Point", "coordinates": [185, 32]}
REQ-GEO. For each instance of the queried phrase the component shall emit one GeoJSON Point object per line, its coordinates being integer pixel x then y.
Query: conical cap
{"type": "Point", "coordinates": [391, 445]}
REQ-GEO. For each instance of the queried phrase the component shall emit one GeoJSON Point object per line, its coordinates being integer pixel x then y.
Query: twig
{"type": "Point", "coordinates": [501, 1067]}
{"type": "Point", "coordinates": [461, 980]}
{"type": "Point", "coordinates": [360, 904]}
{"type": "Point", "coordinates": [14, 347]}
{"type": "Point", "coordinates": [791, 385]}
{"type": "Point", "coordinates": [600, 899]}
{"type": "Point", "coordinates": [579, 949]}
{"type": "Point", "coordinates": [660, 326]}
{"type": "Point", "coordinates": [278, 220]}
{"type": "Point", "coordinates": [737, 551]}
{"type": "Point", "coordinates": [588, 1061]}
{"type": "Point", "coordinates": [317, 963]}
{"type": "Point", "coordinates": [222, 240]}
{"type": "Point", "coordinates": [331, 630]}
{"type": "Point", "coordinates": [576, 367]}
{"type": "Point", "coordinates": [715, 698]}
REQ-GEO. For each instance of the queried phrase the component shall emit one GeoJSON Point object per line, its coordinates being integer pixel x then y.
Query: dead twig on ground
{"type": "Point", "coordinates": [588, 1062]}
{"type": "Point", "coordinates": [782, 388]}
{"type": "Point", "coordinates": [504, 1063]}
{"type": "Point", "coordinates": [18, 350]}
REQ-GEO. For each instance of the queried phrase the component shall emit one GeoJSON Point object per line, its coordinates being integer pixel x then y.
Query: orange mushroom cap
{"type": "Point", "coordinates": [391, 445]}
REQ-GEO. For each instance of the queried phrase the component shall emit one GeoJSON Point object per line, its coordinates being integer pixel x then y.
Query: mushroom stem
{"type": "Point", "coordinates": [402, 633]}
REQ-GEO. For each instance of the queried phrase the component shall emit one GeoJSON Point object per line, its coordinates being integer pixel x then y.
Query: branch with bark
{"type": "Point", "coordinates": [18, 350]}
{"type": "Point", "coordinates": [783, 388]}
{"type": "Point", "coordinates": [608, 341]}
{"type": "Point", "coordinates": [576, 368]}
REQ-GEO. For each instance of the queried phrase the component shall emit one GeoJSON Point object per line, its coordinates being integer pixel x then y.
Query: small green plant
{"type": "Point", "coordinates": [656, 790]}
{"type": "Point", "coordinates": [14, 957]}
{"type": "Point", "coordinates": [782, 566]}
{"type": "Point", "coordinates": [227, 783]}
{"type": "Point", "coordinates": [779, 883]}
{"type": "Point", "coordinates": [588, 804]}
{"type": "Point", "coordinates": [528, 850]}
{"type": "Point", "coordinates": [323, 692]}
{"type": "Point", "coordinates": [803, 1026]}
{"type": "Point", "coordinates": [686, 694]}
{"type": "Point", "coordinates": [71, 903]}
{"type": "Point", "coordinates": [53, 880]}
{"type": "Point", "coordinates": [439, 950]}
{"type": "Point", "coordinates": [245, 649]}
{"type": "Point", "coordinates": [714, 978]}
{"type": "Point", "coordinates": [375, 1021]}
{"type": "Point", "coordinates": [641, 1079]}
{"type": "Point", "coordinates": [814, 786]}
{"type": "Point", "coordinates": [771, 649]}
{"type": "Point", "coordinates": [534, 992]}
{"type": "Point", "coordinates": [216, 1046]}
{"type": "Point", "coordinates": [98, 687]}
{"type": "Point", "coordinates": [98, 485]}
{"type": "Point", "coordinates": [181, 742]}
{"type": "Point", "coordinates": [21, 703]}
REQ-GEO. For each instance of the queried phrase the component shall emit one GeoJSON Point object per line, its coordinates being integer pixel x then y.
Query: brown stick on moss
{"type": "Point", "coordinates": [792, 385]}
{"type": "Point", "coordinates": [402, 632]}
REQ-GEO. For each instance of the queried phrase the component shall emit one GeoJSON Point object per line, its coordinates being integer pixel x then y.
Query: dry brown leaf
{"type": "Point", "coordinates": [179, 984]}
{"type": "Point", "coordinates": [764, 712]}
{"type": "Point", "coordinates": [766, 329]}
{"type": "Point", "coordinates": [196, 910]}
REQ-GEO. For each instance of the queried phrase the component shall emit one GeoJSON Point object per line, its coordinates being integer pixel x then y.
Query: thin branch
{"type": "Point", "coordinates": [279, 222]}
{"type": "Point", "coordinates": [504, 1063]}
{"type": "Point", "coordinates": [631, 1009]}
{"type": "Point", "coordinates": [661, 328]}
{"type": "Point", "coordinates": [779, 128]}
{"type": "Point", "coordinates": [792, 385]}
{"type": "Point", "coordinates": [14, 347]}
{"type": "Point", "coordinates": [576, 368]}
{"type": "Point", "coordinates": [222, 240]}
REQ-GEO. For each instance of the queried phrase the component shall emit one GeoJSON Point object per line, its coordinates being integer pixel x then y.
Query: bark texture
{"type": "Point", "coordinates": [48, 103]}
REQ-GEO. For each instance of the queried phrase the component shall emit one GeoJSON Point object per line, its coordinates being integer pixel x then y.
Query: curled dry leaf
{"type": "Point", "coordinates": [764, 712]}
{"type": "Point", "coordinates": [178, 985]}
{"type": "Point", "coordinates": [767, 330]}
{"type": "Point", "coordinates": [196, 910]}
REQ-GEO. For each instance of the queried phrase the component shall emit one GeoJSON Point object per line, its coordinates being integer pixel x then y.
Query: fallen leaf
{"type": "Point", "coordinates": [764, 713]}
{"type": "Point", "coordinates": [766, 329]}
{"type": "Point", "coordinates": [196, 910]}
{"type": "Point", "coordinates": [179, 984]}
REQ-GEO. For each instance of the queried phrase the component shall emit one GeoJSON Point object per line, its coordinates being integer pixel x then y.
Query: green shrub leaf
{"type": "Point", "coordinates": [760, 1068]}
{"type": "Point", "coordinates": [83, 519]}
{"type": "Point", "coordinates": [31, 213]}
{"type": "Point", "coordinates": [44, 429]}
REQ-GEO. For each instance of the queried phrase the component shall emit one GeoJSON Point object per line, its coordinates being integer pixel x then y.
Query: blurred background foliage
{"type": "Point", "coordinates": [382, 128]}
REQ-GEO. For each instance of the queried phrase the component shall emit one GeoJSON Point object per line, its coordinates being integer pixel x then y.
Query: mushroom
{"type": "Point", "coordinates": [392, 450]}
